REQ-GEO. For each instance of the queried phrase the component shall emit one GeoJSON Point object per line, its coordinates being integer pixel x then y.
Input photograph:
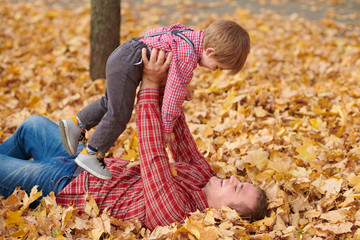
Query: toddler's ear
{"type": "Point", "coordinates": [209, 51]}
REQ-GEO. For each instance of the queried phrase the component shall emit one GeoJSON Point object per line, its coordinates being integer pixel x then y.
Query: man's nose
{"type": "Point", "coordinates": [233, 179]}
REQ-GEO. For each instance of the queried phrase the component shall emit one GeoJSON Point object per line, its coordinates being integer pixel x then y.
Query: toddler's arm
{"type": "Point", "coordinates": [170, 137]}
{"type": "Point", "coordinates": [176, 89]}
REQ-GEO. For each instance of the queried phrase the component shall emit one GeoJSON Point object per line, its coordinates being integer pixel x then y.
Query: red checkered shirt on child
{"type": "Point", "coordinates": [156, 192]}
{"type": "Point", "coordinates": [183, 63]}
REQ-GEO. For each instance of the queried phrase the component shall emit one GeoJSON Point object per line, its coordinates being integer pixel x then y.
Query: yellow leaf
{"type": "Point", "coordinates": [199, 230]}
{"type": "Point", "coordinates": [357, 234]}
{"type": "Point", "coordinates": [314, 123]}
{"type": "Point", "coordinates": [229, 100]}
{"type": "Point", "coordinates": [306, 151]}
{"type": "Point", "coordinates": [209, 218]}
{"type": "Point", "coordinates": [296, 123]}
{"type": "Point", "coordinates": [260, 112]}
{"type": "Point", "coordinates": [220, 140]}
{"type": "Point", "coordinates": [300, 171]}
{"type": "Point", "coordinates": [335, 216]}
{"type": "Point", "coordinates": [34, 194]}
{"type": "Point", "coordinates": [330, 187]}
{"type": "Point", "coordinates": [96, 233]}
{"type": "Point", "coordinates": [90, 207]}
{"type": "Point", "coordinates": [174, 172]}
{"type": "Point", "coordinates": [338, 228]}
{"type": "Point", "coordinates": [33, 229]}
{"type": "Point", "coordinates": [14, 218]}
{"type": "Point", "coordinates": [67, 215]}
{"type": "Point", "coordinates": [355, 182]}
{"type": "Point", "coordinates": [258, 158]}
{"type": "Point", "coordinates": [267, 221]}
{"type": "Point", "coordinates": [230, 214]}
{"type": "Point", "coordinates": [339, 131]}
{"type": "Point", "coordinates": [81, 224]}
{"type": "Point", "coordinates": [21, 233]}
{"type": "Point", "coordinates": [11, 200]}
{"type": "Point", "coordinates": [206, 131]}
{"type": "Point", "coordinates": [193, 227]}
{"type": "Point", "coordinates": [52, 14]}
{"type": "Point", "coordinates": [264, 28]}
{"type": "Point", "coordinates": [130, 155]}
{"type": "Point", "coordinates": [209, 233]}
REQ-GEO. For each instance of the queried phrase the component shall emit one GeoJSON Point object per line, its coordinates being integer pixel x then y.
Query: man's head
{"type": "Point", "coordinates": [248, 200]}
{"type": "Point", "coordinates": [228, 43]}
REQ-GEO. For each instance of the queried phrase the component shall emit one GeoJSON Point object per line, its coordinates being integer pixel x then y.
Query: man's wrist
{"type": "Point", "coordinates": [148, 84]}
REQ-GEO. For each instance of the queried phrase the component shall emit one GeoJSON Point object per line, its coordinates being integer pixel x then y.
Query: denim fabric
{"type": "Point", "coordinates": [34, 155]}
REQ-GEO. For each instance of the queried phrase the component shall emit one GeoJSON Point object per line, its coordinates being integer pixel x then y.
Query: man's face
{"type": "Point", "coordinates": [223, 192]}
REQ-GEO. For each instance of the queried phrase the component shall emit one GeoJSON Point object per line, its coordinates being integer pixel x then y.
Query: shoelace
{"type": "Point", "coordinates": [101, 160]}
{"type": "Point", "coordinates": [82, 137]}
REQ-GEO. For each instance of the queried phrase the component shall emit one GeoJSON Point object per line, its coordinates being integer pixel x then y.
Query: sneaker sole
{"type": "Point", "coordinates": [91, 171]}
{"type": "Point", "coordinates": [64, 132]}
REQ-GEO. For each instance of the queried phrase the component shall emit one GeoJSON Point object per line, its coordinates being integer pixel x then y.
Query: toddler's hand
{"type": "Point", "coordinates": [189, 95]}
{"type": "Point", "coordinates": [169, 138]}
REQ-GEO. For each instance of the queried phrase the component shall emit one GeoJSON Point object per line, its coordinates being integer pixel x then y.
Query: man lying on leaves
{"type": "Point", "coordinates": [156, 192]}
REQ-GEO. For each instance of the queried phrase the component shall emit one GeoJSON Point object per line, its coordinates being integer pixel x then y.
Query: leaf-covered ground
{"type": "Point", "coordinates": [289, 122]}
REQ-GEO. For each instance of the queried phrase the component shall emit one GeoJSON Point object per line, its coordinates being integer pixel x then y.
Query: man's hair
{"type": "Point", "coordinates": [258, 212]}
{"type": "Point", "coordinates": [230, 41]}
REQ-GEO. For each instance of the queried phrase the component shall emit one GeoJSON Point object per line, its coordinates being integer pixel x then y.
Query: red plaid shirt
{"type": "Point", "coordinates": [183, 63]}
{"type": "Point", "coordinates": [149, 192]}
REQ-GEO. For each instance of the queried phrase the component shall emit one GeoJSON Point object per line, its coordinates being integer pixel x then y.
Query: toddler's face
{"type": "Point", "coordinates": [209, 62]}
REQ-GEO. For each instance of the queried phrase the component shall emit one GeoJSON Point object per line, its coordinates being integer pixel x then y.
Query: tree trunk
{"type": "Point", "coordinates": [104, 34]}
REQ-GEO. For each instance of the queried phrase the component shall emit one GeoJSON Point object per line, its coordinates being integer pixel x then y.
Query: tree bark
{"type": "Point", "coordinates": [104, 34]}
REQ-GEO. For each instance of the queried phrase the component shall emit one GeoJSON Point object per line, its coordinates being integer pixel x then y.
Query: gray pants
{"type": "Point", "coordinates": [113, 111]}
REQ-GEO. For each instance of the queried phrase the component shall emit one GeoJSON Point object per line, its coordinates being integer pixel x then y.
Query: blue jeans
{"type": "Point", "coordinates": [51, 167]}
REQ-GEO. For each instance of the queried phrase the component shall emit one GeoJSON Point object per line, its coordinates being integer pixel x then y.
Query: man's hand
{"type": "Point", "coordinates": [169, 138]}
{"type": "Point", "coordinates": [155, 71]}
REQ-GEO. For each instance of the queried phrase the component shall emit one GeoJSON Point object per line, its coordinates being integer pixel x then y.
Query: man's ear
{"type": "Point", "coordinates": [209, 51]}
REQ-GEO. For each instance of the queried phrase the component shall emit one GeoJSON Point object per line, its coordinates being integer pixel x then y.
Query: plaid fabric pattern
{"type": "Point", "coordinates": [181, 69]}
{"type": "Point", "coordinates": [149, 192]}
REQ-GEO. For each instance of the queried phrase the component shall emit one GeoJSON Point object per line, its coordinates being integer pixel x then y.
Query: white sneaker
{"type": "Point", "coordinates": [93, 164]}
{"type": "Point", "coordinates": [71, 134]}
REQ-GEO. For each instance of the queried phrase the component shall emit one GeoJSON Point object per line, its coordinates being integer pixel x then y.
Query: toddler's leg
{"type": "Point", "coordinates": [91, 115]}
{"type": "Point", "coordinates": [123, 78]}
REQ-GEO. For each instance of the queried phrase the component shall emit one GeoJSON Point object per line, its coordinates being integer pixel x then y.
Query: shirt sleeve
{"type": "Point", "coordinates": [184, 148]}
{"type": "Point", "coordinates": [180, 74]}
{"type": "Point", "coordinates": [164, 201]}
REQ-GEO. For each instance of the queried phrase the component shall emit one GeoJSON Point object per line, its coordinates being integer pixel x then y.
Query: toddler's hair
{"type": "Point", "coordinates": [230, 41]}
